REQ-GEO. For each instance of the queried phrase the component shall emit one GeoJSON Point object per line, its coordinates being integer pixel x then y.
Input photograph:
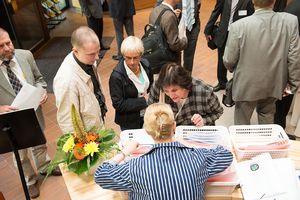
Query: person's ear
{"type": "Point", "coordinates": [75, 50]}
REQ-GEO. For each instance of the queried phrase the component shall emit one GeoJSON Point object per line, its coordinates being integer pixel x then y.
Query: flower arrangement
{"type": "Point", "coordinates": [84, 148]}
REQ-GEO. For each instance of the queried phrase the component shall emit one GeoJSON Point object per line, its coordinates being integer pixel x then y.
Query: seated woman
{"type": "Point", "coordinates": [192, 101]}
{"type": "Point", "coordinates": [169, 171]}
{"type": "Point", "coordinates": [129, 85]}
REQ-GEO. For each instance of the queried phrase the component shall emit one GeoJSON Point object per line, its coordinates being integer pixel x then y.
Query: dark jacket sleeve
{"type": "Point", "coordinates": [214, 16]}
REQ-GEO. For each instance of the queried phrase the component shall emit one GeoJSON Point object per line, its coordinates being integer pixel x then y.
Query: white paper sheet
{"type": "Point", "coordinates": [28, 97]}
{"type": "Point", "coordinates": [272, 179]}
{"type": "Point", "coordinates": [259, 179]}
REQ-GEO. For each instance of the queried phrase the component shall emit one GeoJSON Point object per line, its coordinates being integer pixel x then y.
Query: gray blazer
{"type": "Point", "coordinates": [91, 8]}
{"type": "Point", "coordinates": [265, 49]}
{"type": "Point", "coordinates": [32, 76]}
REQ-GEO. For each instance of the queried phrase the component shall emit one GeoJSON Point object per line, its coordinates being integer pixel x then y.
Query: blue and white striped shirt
{"type": "Point", "coordinates": [169, 171]}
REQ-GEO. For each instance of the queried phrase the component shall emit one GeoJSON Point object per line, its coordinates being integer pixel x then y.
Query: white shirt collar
{"type": "Point", "coordinates": [168, 5]}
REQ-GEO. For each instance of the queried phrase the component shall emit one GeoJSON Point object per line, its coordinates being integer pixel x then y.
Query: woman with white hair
{"type": "Point", "coordinates": [129, 84]}
{"type": "Point", "coordinates": [170, 170]}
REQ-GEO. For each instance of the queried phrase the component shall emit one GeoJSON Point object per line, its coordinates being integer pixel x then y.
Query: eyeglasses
{"type": "Point", "coordinates": [137, 58]}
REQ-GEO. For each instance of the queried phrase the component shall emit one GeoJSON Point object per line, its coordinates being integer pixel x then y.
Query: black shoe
{"type": "Point", "coordinates": [218, 88]}
{"type": "Point", "coordinates": [291, 137]}
{"type": "Point", "coordinates": [33, 191]}
{"type": "Point", "coordinates": [104, 48]}
{"type": "Point", "coordinates": [55, 172]}
{"type": "Point", "coordinates": [116, 57]}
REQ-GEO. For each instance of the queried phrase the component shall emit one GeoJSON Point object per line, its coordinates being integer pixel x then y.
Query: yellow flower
{"type": "Point", "coordinates": [69, 145]}
{"type": "Point", "coordinates": [91, 148]}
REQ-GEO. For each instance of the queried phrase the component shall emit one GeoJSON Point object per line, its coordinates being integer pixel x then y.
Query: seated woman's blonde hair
{"type": "Point", "coordinates": [159, 121]}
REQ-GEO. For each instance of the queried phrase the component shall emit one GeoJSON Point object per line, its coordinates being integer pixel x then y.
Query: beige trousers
{"type": "Point", "coordinates": [40, 158]}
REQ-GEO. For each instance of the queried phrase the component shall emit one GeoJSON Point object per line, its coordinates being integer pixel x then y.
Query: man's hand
{"type": "Point", "coordinates": [198, 120]}
{"type": "Point", "coordinates": [7, 108]}
{"type": "Point", "coordinates": [44, 98]}
{"type": "Point", "coordinates": [208, 37]}
{"type": "Point", "coordinates": [177, 12]}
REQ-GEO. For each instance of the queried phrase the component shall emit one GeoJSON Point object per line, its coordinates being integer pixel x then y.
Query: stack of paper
{"type": "Point", "coordinates": [268, 179]}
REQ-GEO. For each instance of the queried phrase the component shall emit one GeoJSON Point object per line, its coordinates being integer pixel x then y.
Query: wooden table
{"type": "Point", "coordinates": [84, 187]}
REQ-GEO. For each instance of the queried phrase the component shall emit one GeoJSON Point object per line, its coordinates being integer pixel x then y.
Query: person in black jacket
{"type": "Point", "coordinates": [129, 84]}
{"type": "Point", "coordinates": [230, 11]}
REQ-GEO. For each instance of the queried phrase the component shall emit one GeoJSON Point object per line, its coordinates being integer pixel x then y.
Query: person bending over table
{"type": "Point", "coordinates": [192, 101]}
{"type": "Point", "coordinates": [170, 170]}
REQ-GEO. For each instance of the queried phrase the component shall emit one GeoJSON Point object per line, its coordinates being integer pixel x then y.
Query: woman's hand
{"type": "Point", "coordinates": [129, 147]}
{"type": "Point", "coordinates": [197, 120]}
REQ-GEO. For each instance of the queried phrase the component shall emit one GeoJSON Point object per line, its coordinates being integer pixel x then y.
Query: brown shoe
{"type": "Point", "coordinates": [33, 191]}
{"type": "Point", "coordinates": [55, 172]}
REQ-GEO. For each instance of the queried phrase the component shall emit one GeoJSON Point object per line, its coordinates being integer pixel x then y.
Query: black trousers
{"type": "Point", "coordinates": [189, 52]}
{"type": "Point", "coordinates": [97, 26]}
{"type": "Point", "coordinates": [221, 69]}
{"type": "Point", "coordinates": [282, 109]}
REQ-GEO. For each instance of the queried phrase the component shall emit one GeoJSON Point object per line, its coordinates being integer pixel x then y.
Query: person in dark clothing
{"type": "Point", "coordinates": [122, 13]}
{"type": "Point", "coordinates": [93, 11]}
{"type": "Point", "coordinates": [279, 5]}
{"type": "Point", "coordinates": [129, 84]}
{"type": "Point", "coordinates": [230, 12]}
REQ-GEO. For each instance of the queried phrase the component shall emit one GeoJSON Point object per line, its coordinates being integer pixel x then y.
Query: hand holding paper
{"type": "Point", "coordinates": [29, 97]}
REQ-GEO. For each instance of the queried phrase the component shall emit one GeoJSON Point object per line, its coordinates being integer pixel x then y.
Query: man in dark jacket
{"type": "Point", "coordinates": [230, 11]}
{"type": "Point", "coordinates": [129, 85]}
{"type": "Point", "coordinates": [122, 12]}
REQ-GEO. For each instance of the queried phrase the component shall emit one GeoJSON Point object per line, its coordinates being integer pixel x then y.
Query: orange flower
{"type": "Point", "coordinates": [92, 137]}
{"type": "Point", "coordinates": [78, 151]}
{"type": "Point", "coordinates": [79, 145]}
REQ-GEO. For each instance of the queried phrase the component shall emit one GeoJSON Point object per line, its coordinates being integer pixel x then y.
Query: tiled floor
{"type": "Point", "coordinates": [54, 187]}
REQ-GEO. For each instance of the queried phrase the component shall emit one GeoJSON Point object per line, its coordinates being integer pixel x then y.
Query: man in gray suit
{"type": "Point", "coordinates": [16, 68]}
{"type": "Point", "coordinates": [263, 50]}
{"type": "Point", "coordinates": [230, 11]}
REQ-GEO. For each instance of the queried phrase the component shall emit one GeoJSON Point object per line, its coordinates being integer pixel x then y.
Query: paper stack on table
{"type": "Point", "coordinates": [265, 178]}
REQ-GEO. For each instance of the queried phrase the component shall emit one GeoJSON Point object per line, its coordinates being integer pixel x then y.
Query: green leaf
{"type": "Point", "coordinates": [62, 140]}
{"type": "Point", "coordinates": [106, 135]}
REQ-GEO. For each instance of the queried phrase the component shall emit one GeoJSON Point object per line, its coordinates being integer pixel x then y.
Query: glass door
{"type": "Point", "coordinates": [25, 23]}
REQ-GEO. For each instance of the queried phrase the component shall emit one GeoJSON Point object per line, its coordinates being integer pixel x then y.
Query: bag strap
{"type": "Point", "coordinates": [157, 22]}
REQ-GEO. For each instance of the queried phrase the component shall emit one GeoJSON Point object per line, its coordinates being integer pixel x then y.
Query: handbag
{"type": "Point", "coordinates": [211, 43]}
{"type": "Point", "coordinates": [227, 97]}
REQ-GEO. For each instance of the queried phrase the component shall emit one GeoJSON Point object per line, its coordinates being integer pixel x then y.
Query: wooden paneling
{"type": "Point", "coordinates": [142, 4]}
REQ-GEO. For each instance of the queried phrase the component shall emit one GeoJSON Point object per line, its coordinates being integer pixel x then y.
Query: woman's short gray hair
{"type": "Point", "coordinates": [132, 44]}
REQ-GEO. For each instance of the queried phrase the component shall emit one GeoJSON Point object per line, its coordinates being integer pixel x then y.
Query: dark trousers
{"type": "Point", "coordinates": [282, 109]}
{"type": "Point", "coordinates": [221, 69]}
{"type": "Point", "coordinates": [118, 24]}
{"type": "Point", "coordinates": [97, 26]}
{"type": "Point", "coordinates": [189, 52]}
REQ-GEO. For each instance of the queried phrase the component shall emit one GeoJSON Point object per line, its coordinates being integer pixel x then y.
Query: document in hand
{"type": "Point", "coordinates": [268, 179]}
{"type": "Point", "coordinates": [28, 97]}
